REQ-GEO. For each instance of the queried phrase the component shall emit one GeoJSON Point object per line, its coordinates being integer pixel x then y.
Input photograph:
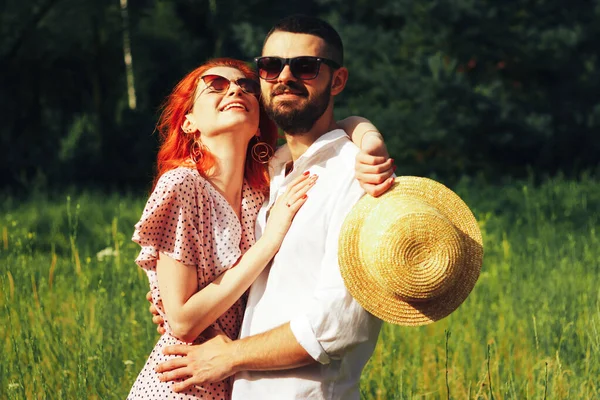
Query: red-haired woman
{"type": "Point", "coordinates": [199, 220]}
{"type": "Point", "coordinates": [200, 217]}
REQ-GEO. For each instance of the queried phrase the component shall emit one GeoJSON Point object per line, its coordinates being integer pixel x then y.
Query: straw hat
{"type": "Point", "coordinates": [411, 256]}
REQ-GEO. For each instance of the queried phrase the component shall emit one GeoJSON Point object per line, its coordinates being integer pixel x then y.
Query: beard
{"type": "Point", "coordinates": [291, 117]}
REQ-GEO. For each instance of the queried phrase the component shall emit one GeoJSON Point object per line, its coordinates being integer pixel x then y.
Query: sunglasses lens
{"type": "Point", "coordinates": [305, 67]}
{"type": "Point", "coordinates": [220, 84]}
{"type": "Point", "coordinates": [216, 83]}
{"type": "Point", "coordinates": [249, 86]}
{"type": "Point", "coordinates": [269, 67]}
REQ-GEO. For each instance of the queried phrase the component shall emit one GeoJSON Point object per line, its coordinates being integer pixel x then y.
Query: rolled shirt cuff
{"type": "Point", "coordinates": [305, 336]}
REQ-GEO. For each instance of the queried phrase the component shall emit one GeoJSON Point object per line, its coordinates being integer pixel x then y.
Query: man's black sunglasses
{"type": "Point", "coordinates": [304, 68]}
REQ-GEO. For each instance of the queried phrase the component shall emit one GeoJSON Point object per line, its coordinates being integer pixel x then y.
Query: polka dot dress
{"type": "Point", "coordinates": [187, 219]}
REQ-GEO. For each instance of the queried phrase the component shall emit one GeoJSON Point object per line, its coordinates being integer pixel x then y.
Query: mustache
{"type": "Point", "coordinates": [289, 87]}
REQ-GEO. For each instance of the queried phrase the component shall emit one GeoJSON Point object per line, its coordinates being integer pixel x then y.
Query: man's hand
{"type": "Point", "coordinates": [374, 167]}
{"type": "Point", "coordinates": [208, 362]}
{"type": "Point", "coordinates": [156, 318]}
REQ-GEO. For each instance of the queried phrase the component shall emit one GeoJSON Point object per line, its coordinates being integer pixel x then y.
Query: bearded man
{"type": "Point", "coordinates": [303, 335]}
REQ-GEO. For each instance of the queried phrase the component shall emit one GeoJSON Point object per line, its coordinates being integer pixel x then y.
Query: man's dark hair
{"type": "Point", "coordinates": [313, 26]}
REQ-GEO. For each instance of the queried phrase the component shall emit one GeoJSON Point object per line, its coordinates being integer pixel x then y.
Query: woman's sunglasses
{"type": "Point", "coordinates": [304, 68]}
{"type": "Point", "coordinates": [220, 84]}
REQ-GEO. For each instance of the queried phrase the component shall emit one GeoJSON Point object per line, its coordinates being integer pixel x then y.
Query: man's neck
{"type": "Point", "coordinates": [300, 142]}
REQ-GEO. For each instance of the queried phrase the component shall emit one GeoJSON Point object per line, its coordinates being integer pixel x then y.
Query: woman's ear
{"type": "Point", "coordinates": [188, 125]}
{"type": "Point", "coordinates": [338, 83]}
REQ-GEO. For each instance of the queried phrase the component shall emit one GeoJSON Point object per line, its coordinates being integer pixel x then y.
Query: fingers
{"type": "Point", "coordinates": [157, 319]}
{"type": "Point", "coordinates": [179, 373]}
{"type": "Point", "coordinates": [295, 204]}
{"type": "Point", "coordinates": [153, 310]}
{"type": "Point", "coordinates": [362, 166]}
{"type": "Point", "coordinates": [185, 385]}
{"type": "Point", "coordinates": [374, 173]}
{"type": "Point", "coordinates": [177, 349]}
{"type": "Point", "coordinates": [305, 175]}
{"type": "Point", "coordinates": [378, 190]}
{"type": "Point", "coordinates": [374, 179]}
{"type": "Point", "coordinates": [299, 183]}
{"type": "Point", "coordinates": [171, 365]}
{"type": "Point", "coordinates": [297, 192]}
{"type": "Point", "coordinates": [149, 296]}
{"type": "Point", "coordinates": [368, 159]}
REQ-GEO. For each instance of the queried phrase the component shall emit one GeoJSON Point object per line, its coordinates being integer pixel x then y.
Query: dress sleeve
{"type": "Point", "coordinates": [172, 221]}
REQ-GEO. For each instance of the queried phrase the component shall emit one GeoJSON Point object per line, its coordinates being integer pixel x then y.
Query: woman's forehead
{"type": "Point", "coordinates": [226, 72]}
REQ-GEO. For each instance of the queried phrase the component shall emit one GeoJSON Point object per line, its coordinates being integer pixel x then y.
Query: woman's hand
{"type": "Point", "coordinates": [156, 318]}
{"type": "Point", "coordinates": [286, 206]}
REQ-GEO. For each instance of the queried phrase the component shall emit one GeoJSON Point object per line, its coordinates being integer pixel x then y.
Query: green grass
{"type": "Point", "coordinates": [75, 323]}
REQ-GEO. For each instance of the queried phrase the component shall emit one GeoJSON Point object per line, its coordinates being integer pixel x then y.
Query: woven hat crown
{"type": "Point", "coordinates": [413, 255]}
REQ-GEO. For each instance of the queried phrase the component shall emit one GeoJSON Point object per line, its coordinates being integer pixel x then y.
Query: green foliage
{"type": "Point", "coordinates": [457, 87]}
{"type": "Point", "coordinates": [477, 87]}
{"type": "Point", "coordinates": [73, 302]}
{"type": "Point", "coordinates": [536, 305]}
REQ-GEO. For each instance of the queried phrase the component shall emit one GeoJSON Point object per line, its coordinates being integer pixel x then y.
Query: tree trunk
{"type": "Point", "coordinates": [131, 96]}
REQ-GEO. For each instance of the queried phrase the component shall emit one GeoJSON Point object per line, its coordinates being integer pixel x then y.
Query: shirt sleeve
{"type": "Point", "coordinates": [334, 322]}
{"type": "Point", "coordinates": [171, 222]}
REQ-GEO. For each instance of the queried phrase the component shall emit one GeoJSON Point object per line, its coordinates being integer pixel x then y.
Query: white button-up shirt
{"type": "Point", "coordinates": [303, 285]}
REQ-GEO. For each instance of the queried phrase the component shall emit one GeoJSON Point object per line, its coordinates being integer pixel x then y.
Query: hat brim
{"type": "Point", "coordinates": [375, 298]}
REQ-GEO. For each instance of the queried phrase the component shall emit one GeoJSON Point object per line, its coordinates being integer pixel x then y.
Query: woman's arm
{"type": "Point", "coordinates": [189, 311]}
{"type": "Point", "coordinates": [374, 167]}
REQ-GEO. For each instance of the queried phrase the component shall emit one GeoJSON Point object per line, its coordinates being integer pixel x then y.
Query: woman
{"type": "Point", "coordinates": [199, 220]}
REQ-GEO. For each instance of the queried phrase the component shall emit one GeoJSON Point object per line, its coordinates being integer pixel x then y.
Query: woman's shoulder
{"type": "Point", "coordinates": [181, 183]}
{"type": "Point", "coordinates": [181, 178]}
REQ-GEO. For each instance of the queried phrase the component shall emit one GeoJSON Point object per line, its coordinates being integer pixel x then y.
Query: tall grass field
{"type": "Point", "coordinates": [74, 322]}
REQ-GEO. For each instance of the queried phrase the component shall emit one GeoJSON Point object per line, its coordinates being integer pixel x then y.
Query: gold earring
{"type": "Point", "coordinates": [197, 150]}
{"type": "Point", "coordinates": [261, 151]}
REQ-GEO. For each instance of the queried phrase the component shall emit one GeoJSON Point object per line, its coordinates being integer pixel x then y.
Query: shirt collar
{"type": "Point", "coordinates": [283, 155]}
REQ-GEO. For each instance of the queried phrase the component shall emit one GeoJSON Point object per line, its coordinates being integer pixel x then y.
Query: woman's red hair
{"type": "Point", "coordinates": [175, 145]}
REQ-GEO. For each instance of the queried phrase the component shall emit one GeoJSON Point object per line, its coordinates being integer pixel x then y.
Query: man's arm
{"type": "Point", "coordinates": [275, 349]}
{"type": "Point", "coordinates": [357, 128]}
{"type": "Point", "coordinates": [332, 324]}
{"type": "Point", "coordinates": [220, 357]}
{"type": "Point", "coordinates": [374, 167]}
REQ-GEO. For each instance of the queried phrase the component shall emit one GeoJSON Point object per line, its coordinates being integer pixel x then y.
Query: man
{"type": "Point", "coordinates": [300, 320]}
